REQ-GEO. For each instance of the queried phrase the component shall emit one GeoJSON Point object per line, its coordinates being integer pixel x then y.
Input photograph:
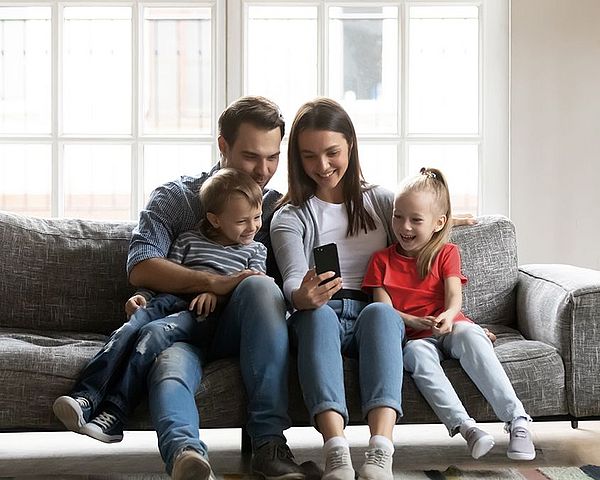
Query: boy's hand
{"type": "Point", "coordinates": [135, 302]}
{"type": "Point", "coordinates": [204, 304]}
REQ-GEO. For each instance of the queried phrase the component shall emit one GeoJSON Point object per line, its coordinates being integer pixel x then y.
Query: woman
{"type": "Point", "coordinates": [329, 201]}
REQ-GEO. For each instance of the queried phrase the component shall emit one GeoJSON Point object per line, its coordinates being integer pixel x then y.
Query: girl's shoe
{"type": "Point", "coordinates": [520, 446]}
{"type": "Point", "coordinates": [377, 466]}
{"type": "Point", "coordinates": [338, 464]}
{"type": "Point", "coordinates": [478, 441]}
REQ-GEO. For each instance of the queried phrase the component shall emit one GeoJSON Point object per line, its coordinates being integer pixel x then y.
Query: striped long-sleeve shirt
{"type": "Point", "coordinates": [175, 208]}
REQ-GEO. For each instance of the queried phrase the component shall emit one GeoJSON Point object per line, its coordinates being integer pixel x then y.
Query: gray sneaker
{"type": "Point", "coordinates": [520, 446]}
{"type": "Point", "coordinates": [191, 465]}
{"type": "Point", "coordinates": [479, 442]}
{"type": "Point", "coordinates": [338, 464]}
{"type": "Point", "coordinates": [275, 461]}
{"type": "Point", "coordinates": [377, 466]}
{"type": "Point", "coordinates": [73, 412]}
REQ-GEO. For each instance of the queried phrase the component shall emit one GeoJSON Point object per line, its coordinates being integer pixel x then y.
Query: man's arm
{"type": "Point", "coordinates": [163, 275]}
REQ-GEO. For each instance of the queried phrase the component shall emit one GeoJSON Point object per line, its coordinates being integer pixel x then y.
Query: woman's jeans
{"type": "Point", "coordinates": [96, 378]}
{"type": "Point", "coordinates": [374, 333]}
{"type": "Point", "coordinates": [468, 344]}
{"type": "Point", "coordinates": [252, 326]}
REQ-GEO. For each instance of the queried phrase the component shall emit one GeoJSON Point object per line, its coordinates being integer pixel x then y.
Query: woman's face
{"type": "Point", "coordinates": [324, 157]}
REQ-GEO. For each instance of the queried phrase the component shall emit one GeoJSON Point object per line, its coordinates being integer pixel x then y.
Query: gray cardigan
{"type": "Point", "coordinates": [294, 233]}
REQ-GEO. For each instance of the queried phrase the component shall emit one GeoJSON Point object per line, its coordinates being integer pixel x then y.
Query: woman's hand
{"type": "Point", "coordinates": [310, 294]}
{"type": "Point", "coordinates": [135, 302]}
{"type": "Point", "coordinates": [204, 303]}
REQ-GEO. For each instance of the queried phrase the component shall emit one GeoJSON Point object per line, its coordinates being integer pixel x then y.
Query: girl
{"type": "Point", "coordinates": [420, 276]}
{"type": "Point", "coordinates": [329, 201]}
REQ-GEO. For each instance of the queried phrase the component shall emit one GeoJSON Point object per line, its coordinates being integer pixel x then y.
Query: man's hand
{"type": "Point", "coordinates": [463, 219]}
{"type": "Point", "coordinates": [135, 302]}
{"type": "Point", "coordinates": [204, 304]}
{"type": "Point", "coordinates": [225, 284]}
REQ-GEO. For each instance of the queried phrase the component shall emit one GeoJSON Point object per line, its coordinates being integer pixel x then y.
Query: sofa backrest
{"type": "Point", "coordinates": [68, 274]}
{"type": "Point", "coordinates": [63, 274]}
{"type": "Point", "coordinates": [489, 261]}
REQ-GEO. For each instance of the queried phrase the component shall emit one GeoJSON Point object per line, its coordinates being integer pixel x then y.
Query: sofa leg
{"type": "Point", "coordinates": [574, 423]}
{"type": "Point", "coordinates": [246, 442]}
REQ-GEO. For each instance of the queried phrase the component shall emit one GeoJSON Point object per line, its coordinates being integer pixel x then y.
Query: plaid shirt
{"type": "Point", "coordinates": [175, 208]}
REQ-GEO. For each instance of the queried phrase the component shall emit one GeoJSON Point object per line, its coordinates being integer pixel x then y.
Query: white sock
{"type": "Point", "coordinates": [520, 422]}
{"type": "Point", "coordinates": [335, 442]}
{"type": "Point", "coordinates": [379, 441]}
{"type": "Point", "coordinates": [464, 426]}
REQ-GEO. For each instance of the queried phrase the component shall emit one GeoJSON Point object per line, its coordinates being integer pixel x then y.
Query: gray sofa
{"type": "Point", "coordinates": [63, 287]}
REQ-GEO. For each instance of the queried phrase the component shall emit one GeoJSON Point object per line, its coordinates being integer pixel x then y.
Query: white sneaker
{"type": "Point", "coordinates": [478, 441]}
{"type": "Point", "coordinates": [377, 466]}
{"type": "Point", "coordinates": [520, 446]}
{"type": "Point", "coordinates": [338, 464]}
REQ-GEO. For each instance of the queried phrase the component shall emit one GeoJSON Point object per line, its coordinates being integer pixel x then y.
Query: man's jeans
{"type": "Point", "coordinates": [468, 344]}
{"type": "Point", "coordinates": [373, 332]}
{"type": "Point", "coordinates": [98, 374]}
{"type": "Point", "coordinates": [252, 326]}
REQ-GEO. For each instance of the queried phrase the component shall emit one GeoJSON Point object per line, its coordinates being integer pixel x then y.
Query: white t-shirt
{"type": "Point", "coordinates": [354, 252]}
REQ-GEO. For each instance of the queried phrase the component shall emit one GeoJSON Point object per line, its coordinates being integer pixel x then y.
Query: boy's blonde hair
{"type": "Point", "coordinates": [431, 180]}
{"type": "Point", "coordinates": [219, 188]}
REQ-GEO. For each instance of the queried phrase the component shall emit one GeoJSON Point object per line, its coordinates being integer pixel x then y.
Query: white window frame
{"type": "Point", "coordinates": [493, 138]}
{"type": "Point", "coordinates": [137, 139]}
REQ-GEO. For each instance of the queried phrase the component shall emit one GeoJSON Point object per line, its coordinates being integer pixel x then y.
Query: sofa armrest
{"type": "Point", "coordinates": [560, 305]}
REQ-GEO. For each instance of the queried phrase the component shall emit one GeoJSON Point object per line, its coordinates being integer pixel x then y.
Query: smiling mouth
{"type": "Point", "coordinates": [326, 174]}
{"type": "Point", "coordinates": [407, 238]}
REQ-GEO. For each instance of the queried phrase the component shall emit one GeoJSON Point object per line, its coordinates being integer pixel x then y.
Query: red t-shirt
{"type": "Point", "coordinates": [398, 275]}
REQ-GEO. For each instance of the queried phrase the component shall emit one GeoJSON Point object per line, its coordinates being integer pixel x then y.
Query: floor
{"type": "Point", "coordinates": [68, 456]}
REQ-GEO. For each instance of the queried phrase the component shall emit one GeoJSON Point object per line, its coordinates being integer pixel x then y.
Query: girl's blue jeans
{"type": "Point", "coordinates": [468, 344]}
{"type": "Point", "coordinates": [372, 332]}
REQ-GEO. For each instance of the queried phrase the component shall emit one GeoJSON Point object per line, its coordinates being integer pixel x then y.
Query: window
{"type": "Point", "coordinates": [101, 102]}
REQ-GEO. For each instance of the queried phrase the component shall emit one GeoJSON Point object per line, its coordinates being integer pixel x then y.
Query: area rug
{"type": "Point", "coordinates": [587, 472]}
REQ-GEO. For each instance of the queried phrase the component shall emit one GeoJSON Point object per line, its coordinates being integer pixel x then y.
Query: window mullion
{"type": "Point", "coordinates": [56, 190]}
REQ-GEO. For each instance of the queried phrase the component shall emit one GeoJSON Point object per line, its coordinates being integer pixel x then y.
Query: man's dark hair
{"type": "Point", "coordinates": [258, 111]}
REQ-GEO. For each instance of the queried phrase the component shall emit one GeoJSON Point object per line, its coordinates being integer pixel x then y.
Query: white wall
{"type": "Point", "coordinates": [555, 130]}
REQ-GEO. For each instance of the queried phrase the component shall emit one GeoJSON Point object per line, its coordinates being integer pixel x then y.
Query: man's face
{"type": "Point", "coordinates": [255, 152]}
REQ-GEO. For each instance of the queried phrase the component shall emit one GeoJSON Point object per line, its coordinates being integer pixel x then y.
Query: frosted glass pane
{"type": "Point", "coordinates": [97, 70]}
{"type": "Point", "coordinates": [25, 70]}
{"type": "Point", "coordinates": [363, 65]}
{"type": "Point", "coordinates": [163, 163]}
{"type": "Point", "coordinates": [443, 71]}
{"type": "Point", "coordinates": [281, 59]}
{"type": "Point", "coordinates": [460, 166]}
{"type": "Point", "coordinates": [177, 62]}
{"type": "Point", "coordinates": [97, 181]}
{"type": "Point", "coordinates": [25, 179]}
{"type": "Point", "coordinates": [379, 164]}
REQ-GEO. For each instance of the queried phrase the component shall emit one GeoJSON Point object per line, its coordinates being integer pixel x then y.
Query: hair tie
{"type": "Point", "coordinates": [428, 173]}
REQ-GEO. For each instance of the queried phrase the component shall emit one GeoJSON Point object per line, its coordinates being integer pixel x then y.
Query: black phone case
{"type": "Point", "coordinates": [326, 260]}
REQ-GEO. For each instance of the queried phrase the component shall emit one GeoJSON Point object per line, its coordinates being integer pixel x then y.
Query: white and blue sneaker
{"type": "Point", "coordinates": [73, 412]}
{"type": "Point", "coordinates": [105, 427]}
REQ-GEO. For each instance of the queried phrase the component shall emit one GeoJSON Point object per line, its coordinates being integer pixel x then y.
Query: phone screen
{"type": "Point", "coordinates": [327, 260]}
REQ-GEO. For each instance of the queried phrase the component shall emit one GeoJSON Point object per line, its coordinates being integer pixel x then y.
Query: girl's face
{"type": "Point", "coordinates": [416, 219]}
{"type": "Point", "coordinates": [324, 157]}
{"type": "Point", "coordinates": [238, 223]}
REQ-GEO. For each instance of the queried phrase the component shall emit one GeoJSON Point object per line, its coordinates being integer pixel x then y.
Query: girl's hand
{"type": "Point", "coordinates": [419, 323]}
{"type": "Point", "coordinates": [443, 323]}
{"type": "Point", "coordinates": [135, 302]}
{"type": "Point", "coordinates": [490, 335]}
{"type": "Point", "coordinates": [204, 304]}
{"type": "Point", "coordinates": [310, 294]}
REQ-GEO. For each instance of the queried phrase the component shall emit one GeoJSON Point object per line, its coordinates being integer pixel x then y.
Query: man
{"type": "Point", "coordinates": [250, 133]}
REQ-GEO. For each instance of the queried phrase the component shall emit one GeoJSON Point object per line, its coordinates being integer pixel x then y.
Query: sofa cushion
{"type": "Point", "coordinates": [489, 261]}
{"type": "Point", "coordinates": [63, 274]}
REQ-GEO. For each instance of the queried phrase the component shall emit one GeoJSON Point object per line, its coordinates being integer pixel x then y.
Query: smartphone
{"type": "Point", "coordinates": [327, 260]}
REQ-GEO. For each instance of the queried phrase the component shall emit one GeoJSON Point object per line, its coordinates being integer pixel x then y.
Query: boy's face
{"type": "Point", "coordinates": [415, 221]}
{"type": "Point", "coordinates": [255, 152]}
{"type": "Point", "coordinates": [238, 223]}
